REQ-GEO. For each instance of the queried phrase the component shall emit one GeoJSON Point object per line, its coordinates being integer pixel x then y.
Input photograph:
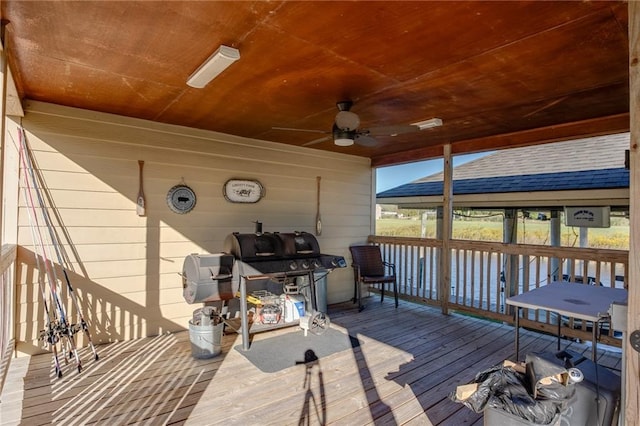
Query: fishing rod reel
{"type": "Point", "coordinates": [56, 330]}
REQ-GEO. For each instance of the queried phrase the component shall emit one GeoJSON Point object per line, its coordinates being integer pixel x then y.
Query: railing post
{"type": "Point", "coordinates": [438, 252]}
{"type": "Point", "coordinates": [555, 238]}
{"type": "Point", "coordinates": [510, 268]}
{"type": "Point", "coordinates": [447, 216]}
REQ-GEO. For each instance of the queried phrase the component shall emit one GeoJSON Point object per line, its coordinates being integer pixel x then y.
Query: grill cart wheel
{"type": "Point", "coordinates": [319, 323]}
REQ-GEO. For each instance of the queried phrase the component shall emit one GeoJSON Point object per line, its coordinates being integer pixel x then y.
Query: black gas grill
{"type": "Point", "coordinates": [279, 254]}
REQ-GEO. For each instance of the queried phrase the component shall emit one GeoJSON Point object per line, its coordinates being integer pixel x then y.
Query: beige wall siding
{"type": "Point", "coordinates": [125, 267]}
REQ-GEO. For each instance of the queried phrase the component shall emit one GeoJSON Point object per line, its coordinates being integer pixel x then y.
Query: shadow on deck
{"type": "Point", "coordinates": [409, 361]}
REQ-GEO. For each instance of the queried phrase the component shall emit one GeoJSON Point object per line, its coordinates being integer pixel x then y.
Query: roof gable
{"type": "Point", "coordinates": [602, 152]}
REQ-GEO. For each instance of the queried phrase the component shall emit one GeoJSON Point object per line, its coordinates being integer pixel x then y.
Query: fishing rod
{"type": "Point", "coordinates": [55, 241]}
{"type": "Point", "coordinates": [49, 335]}
{"type": "Point", "coordinates": [62, 329]}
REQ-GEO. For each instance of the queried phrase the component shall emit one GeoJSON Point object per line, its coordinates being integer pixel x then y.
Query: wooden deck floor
{"type": "Point", "coordinates": [411, 359]}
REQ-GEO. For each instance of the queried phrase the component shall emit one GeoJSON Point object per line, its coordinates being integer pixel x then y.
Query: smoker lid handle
{"type": "Point", "coordinates": [221, 277]}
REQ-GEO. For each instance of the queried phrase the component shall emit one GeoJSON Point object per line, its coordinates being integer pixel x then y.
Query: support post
{"type": "Point", "coordinates": [423, 224]}
{"type": "Point", "coordinates": [555, 269]}
{"type": "Point", "coordinates": [510, 271]}
{"type": "Point", "coordinates": [439, 273]}
{"type": "Point", "coordinates": [632, 364]}
{"type": "Point", "coordinates": [447, 216]}
{"type": "Point", "coordinates": [3, 119]}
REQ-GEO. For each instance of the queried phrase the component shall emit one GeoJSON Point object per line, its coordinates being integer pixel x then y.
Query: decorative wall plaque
{"type": "Point", "coordinates": [181, 199]}
{"type": "Point", "coordinates": [243, 191]}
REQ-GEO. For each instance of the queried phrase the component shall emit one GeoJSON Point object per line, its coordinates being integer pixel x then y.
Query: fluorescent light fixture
{"type": "Point", "coordinates": [214, 65]}
{"type": "Point", "coordinates": [427, 124]}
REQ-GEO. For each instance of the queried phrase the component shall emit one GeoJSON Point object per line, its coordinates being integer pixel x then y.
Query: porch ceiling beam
{"type": "Point", "coordinates": [561, 132]}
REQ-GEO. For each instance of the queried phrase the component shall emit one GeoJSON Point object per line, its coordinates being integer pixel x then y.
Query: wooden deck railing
{"type": "Point", "coordinates": [485, 274]}
{"type": "Point", "coordinates": [7, 304]}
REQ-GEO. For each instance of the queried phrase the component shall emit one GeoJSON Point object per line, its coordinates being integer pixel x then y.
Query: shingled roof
{"type": "Point", "coordinates": [593, 164]}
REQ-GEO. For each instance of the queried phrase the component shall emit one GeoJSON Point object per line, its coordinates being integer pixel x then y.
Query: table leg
{"type": "Point", "coordinates": [312, 292]}
{"type": "Point", "coordinates": [517, 324]}
{"type": "Point", "coordinates": [244, 319]}
{"type": "Point", "coordinates": [559, 330]}
{"type": "Point", "coordinates": [594, 340]}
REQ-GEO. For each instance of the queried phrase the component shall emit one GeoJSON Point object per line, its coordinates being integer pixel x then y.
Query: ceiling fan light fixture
{"type": "Point", "coordinates": [343, 137]}
{"type": "Point", "coordinates": [427, 124]}
{"type": "Point", "coordinates": [343, 141]}
{"type": "Point", "coordinates": [213, 66]}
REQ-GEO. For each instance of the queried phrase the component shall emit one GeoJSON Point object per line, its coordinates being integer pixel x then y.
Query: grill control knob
{"type": "Point", "coordinates": [316, 263]}
{"type": "Point", "coordinates": [293, 265]}
{"type": "Point", "coordinates": [304, 264]}
{"type": "Point", "coordinates": [334, 262]}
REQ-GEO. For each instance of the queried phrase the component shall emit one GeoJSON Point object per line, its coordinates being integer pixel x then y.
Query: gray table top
{"type": "Point", "coordinates": [575, 300]}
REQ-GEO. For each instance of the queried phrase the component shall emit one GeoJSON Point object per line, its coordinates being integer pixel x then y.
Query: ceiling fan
{"type": "Point", "coordinates": [346, 131]}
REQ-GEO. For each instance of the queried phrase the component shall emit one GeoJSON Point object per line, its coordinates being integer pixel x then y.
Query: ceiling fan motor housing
{"type": "Point", "coordinates": [344, 105]}
{"type": "Point", "coordinates": [345, 119]}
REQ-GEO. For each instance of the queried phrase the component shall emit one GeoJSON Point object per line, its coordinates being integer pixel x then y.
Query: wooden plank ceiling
{"type": "Point", "coordinates": [497, 73]}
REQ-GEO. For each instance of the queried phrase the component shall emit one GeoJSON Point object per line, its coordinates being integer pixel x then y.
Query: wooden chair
{"type": "Point", "coordinates": [369, 268]}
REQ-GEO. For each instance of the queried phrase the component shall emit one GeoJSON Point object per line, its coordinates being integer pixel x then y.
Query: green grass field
{"type": "Point", "coordinates": [529, 232]}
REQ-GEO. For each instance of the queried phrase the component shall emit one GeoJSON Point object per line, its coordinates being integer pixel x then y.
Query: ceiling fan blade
{"type": "Point", "coordinates": [393, 130]}
{"type": "Point", "coordinates": [299, 130]}
{"type": "Point", "coordinates": [315, 141]}
{"type": "Point", "coordinates": [365, 140]}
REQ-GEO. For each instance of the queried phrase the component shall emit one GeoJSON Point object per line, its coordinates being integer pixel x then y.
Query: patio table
{"type": "Point", "coordinates": [581, 301]}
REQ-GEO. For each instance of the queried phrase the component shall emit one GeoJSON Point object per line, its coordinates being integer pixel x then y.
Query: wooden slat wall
{"type": "Point", "coordinates": [125, 267]}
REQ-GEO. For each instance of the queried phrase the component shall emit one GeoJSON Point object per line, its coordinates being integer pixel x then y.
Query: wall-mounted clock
{"type": "Point", "coordinates": [181, 199]}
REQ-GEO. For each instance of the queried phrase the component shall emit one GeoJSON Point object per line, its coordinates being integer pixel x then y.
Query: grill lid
{"type": "Point", "coordinates": [251, 246]}
{"type": "Point", "coordinates": [208, 278]}
{"type": "Point", "coordinates": [260, 246]}
{"type": "Point", "coordinates": [300, 244]}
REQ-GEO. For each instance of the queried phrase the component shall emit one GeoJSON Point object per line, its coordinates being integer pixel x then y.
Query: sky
{"type": "Point", "coordinates": [392, 176]}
